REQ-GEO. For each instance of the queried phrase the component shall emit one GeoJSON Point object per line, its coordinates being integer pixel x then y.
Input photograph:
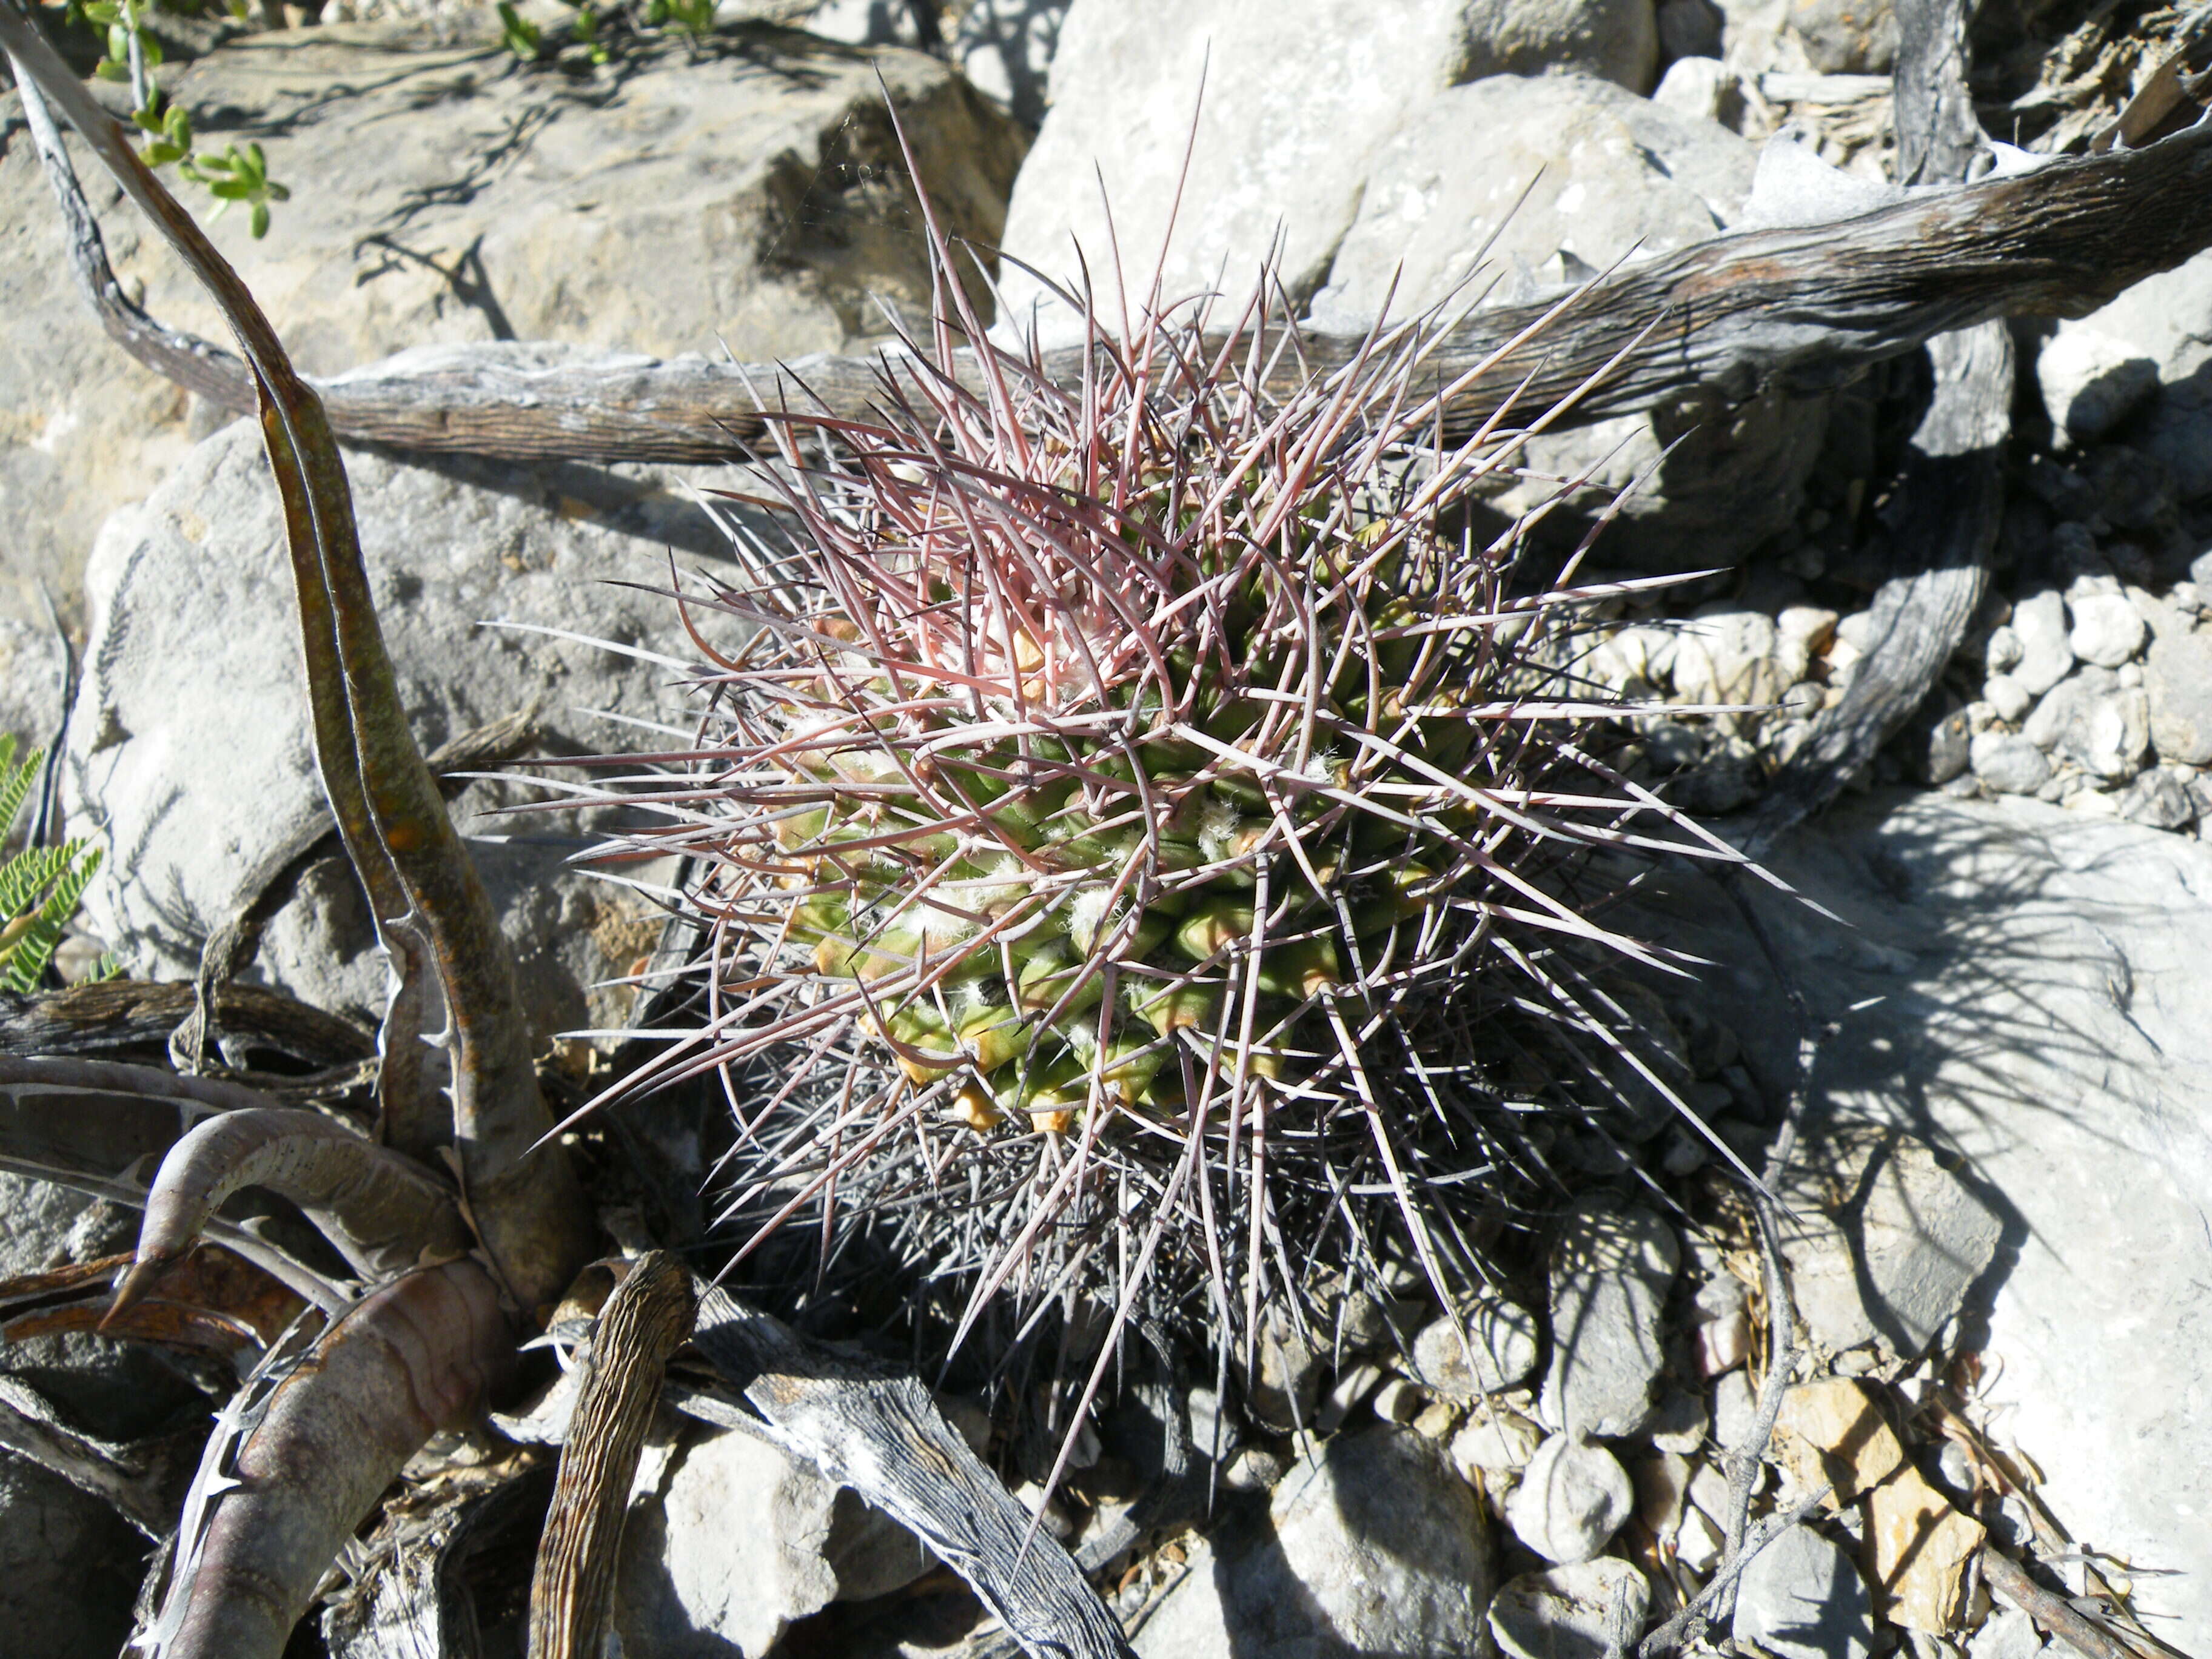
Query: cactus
{"type": "Point", "coordinates": [1143, 829]}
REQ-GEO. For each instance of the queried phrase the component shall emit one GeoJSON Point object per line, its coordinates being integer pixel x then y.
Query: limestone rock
{"type": "Point", "coordinates": [2106, 631]}
{"type": "Point", "coordinates": [2038, 622]}
{"type": "Point", "coordinates": [1572, 1497]}
{"type": "Point", "coordinates": [2092, 382]}
{"type": "Point", "coordinates": [1832, 1433]}
{"type": "Point", "coordinates": [1567, 1612]}
{"type": "Point", "coordinates": [1846, 37]}
{"type": "Point", "coordinates": [1371, 1545]}
{"type": "Point", "coordinates": [1610, 1273]}
{"type": "Point", "coordinates": [193, 776]}
{"type": "Point", "coordinates": [1893, 1251]}
{"type": "Point", "coordinates": [2008, 761]}
{"type": "Point", "coordinates": [2095, 722]}
{"type": "Point", "coordinates": [1284, 138]}
{"type": "Point", "coordinates": [1917, 1550]}
{"type": "Point", "coordinates": [1503, 1339]}
{"type": "Point", "coordinates": [1614, 176]}
{"type": "Point", "coordinates": [2178, 681]}
{"type": "Point", "coordinates": [2045, 1013]}
{"type": "Point", "coordinates": [1801, 1598]}
{"type": "Point", "coordinates": [744, 190]}
{"type": "Point", "coordinates": [1616, 39]}
{"type": "Point", "coordinates": [69, 1566]}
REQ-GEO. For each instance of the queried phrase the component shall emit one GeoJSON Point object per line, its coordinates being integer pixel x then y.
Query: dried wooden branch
{"type": "Point", "coordinates": [572, 1592]}
{"type": "Point", "coordinates": [430, 906]}
{"type": "Point", "coordinates": [1808, 305]}
{"type": "Point", "coordinates": [2008, 1579]}
{"type": "Point", "coordinates": [1943, 524]}
{"type": "Point", "coordinates": [880, 1434]}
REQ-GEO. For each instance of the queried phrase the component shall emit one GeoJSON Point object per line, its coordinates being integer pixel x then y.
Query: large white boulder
{"type": "Point", "coordinates": [190, 754]}
{"type": "Point", "coordinates": [746, 192]}
{"type": "Point", "coordinates": [2028, 989]}
{"type": "Point", "coordinates": [1298, 101]}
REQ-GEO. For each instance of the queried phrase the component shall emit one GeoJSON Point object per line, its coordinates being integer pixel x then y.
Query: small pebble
{"type": "Point", "coordinates": [1572, 1497]}
{"type": "Point", "coordinates": [1735, 1409]}
{"type": "Point", "coordinates": [1678, 1425]}
{"type": "Point", "coordinates": [2008, 697]}
{"type": "Point", "coordinates": [1565, 1613]}
{"type": "Point", "coordinates": [1494, 1441]}
{"type": "Point", "coordinates": [1502, 1337]}
{"type": "Point", "coordinates": [2107, 630]}
{"type": "Point", "coordinates": [1699, 1542]}
{"type": "Point", "coordinates": [2007, 1633]}
{"type": "Point", "coordinates": [1400, 1399]}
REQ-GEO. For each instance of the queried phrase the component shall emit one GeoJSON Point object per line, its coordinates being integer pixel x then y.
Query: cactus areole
{"type": "Point", "coordinates": [1152, 772]}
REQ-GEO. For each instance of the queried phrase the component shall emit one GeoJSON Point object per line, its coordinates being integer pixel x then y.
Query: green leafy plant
{"type": "Point", "coordinates": [132, 54]}
{"type": "Point", "coordinates": [237, 175]}
{"type": "Point", "coordinates": [39, 886]}
{"type": "Point", "coordinates": [521, 37]}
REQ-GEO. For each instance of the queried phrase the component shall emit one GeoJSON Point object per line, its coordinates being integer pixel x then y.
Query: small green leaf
{"type": "Point", "coordinates": [108, 69]}
{"type": "Point", "coordinates": [259, 222]}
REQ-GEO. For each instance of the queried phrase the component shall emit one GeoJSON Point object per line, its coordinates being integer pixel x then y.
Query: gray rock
{"type": "Point", "coordinates": [1284, 139]}
{"type": "Point", "coordinates": [1699, 88]}
{"type": "Point", "coordinates": [2092, 382]}
{"type": "Point", "coordinates": [2153, 320]}
{"type": "Point", "coordinates": [700, 196]}
{"type": "Point", "coordinates": [2157, 799]}
{"type": "Point", "coordinates": [1572, 1497]}
{"type": "Point", "coordinates": [2046, 1011]}
{"type": "Point", "coordinates": [2095, 722]}
{"type": "Point", "coordinates": [1890, 1255]}
{"type": "Point", "coordinates": [2008, 697]}
{"type": "Point", "coordinates": [1493, 1442]}
{"type": "Point", "coordinates": [1614, 177]}
{"type": "Point", "coordinates": [1846, 37]}
{"type": "Point", "coordinates": [1006, 48]}
{"type": "Point", "coordinates": [30, 670]}
{"type": "Point", "coordinates": [1690, 28]}
{"type": "Point", "coordinates": [1735, 1410]}
{"type": "Point", "coordinates": [2107, 630]}
{"type": "Point", "coordinates": [193, 777]}
{"type": "Point", "coordinates": [1613, 174]}
{"type": "Point", "coordinates": [1678, 1424]}
{"type": "Point", "coordinates": [1503, 1338]}
{"type": "Point", "coordinates": [1949, 747]}
{"type": "Point", "coordinates": [2178, 680]}
{"type": "Point", "coordinates": [1371, 1545]}
{"type": "Point", "coordinates": [692, 1585]}
{"type": "Point", "coordinates": [68, 1567]}
{"type": "Point", "coordinates": [1611, 1270]}
{"type": "Point", "coordinates": [1801, 1598]}
{"type": "Point", "coordinates": [2008, 762]}
{"type": "Point", "coordinates": [2007, 1634]}
{"type": "Point", "coordinates": [2040, 621]}
{"type": "Point", "coordinates": [1286, 1388]}
{"type": "Point", "coordinates": [1616, 39]}
{"type": "Point", "coordinates": [1568, 1611]}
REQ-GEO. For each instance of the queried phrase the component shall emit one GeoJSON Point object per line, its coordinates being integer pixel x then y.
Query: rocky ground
{"type": "Point", "coordinates": [1999, 1261]}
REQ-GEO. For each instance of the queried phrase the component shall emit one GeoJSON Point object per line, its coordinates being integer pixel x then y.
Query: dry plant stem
{"type": "Point", "coordinates": [34, 1431]}
{"type": "Point", "coordinates": [2007, 1578]}
{"type": "Point", "coordinates": [1944, 522]}
{"type": "Point", "coordinates": [265, 1520]}
{"type": "Point", "coordinates": [386, 1214]}
{"type": "Point", "coordinates": [1810, 303]}
{"type": "Point", "coordinates": [1701, 1609]}
{"type": "Point", "coordinates": [644, 1322]}
{"type": "Point", "coordinates": [527, 1209]}
{"type": "Point", "coordinates": [114, 1018]}
{"type": "Point", "coordinates": [881, 1435]}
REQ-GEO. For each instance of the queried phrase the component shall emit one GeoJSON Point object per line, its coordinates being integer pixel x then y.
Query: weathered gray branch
{"type": "Point", "coordinates": [1809, 305]}
{"type": "Point", "coordinates": [880, 1434]}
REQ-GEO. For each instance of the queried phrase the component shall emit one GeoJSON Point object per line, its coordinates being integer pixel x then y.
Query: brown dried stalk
{"type": "Point", "coordinates": [645, 1319]}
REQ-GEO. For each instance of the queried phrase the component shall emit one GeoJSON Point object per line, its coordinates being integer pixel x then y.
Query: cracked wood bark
{"type": "Point", "coordinates": [644, 1322]}
{"type": "Point", "coordinates": [879, 1433]}
{"type": "Point", "coordinates": [1943, 520]}
{"type": "Point", "coordinates": [1808, 305]}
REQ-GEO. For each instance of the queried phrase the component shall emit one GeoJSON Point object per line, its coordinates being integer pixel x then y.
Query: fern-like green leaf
{"type": "Point", "coordinates": [24, 878]}
{"type": "Point", "coordinates": [15, 782]}
{"type": "Point", "coordinates": [25, 959]}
